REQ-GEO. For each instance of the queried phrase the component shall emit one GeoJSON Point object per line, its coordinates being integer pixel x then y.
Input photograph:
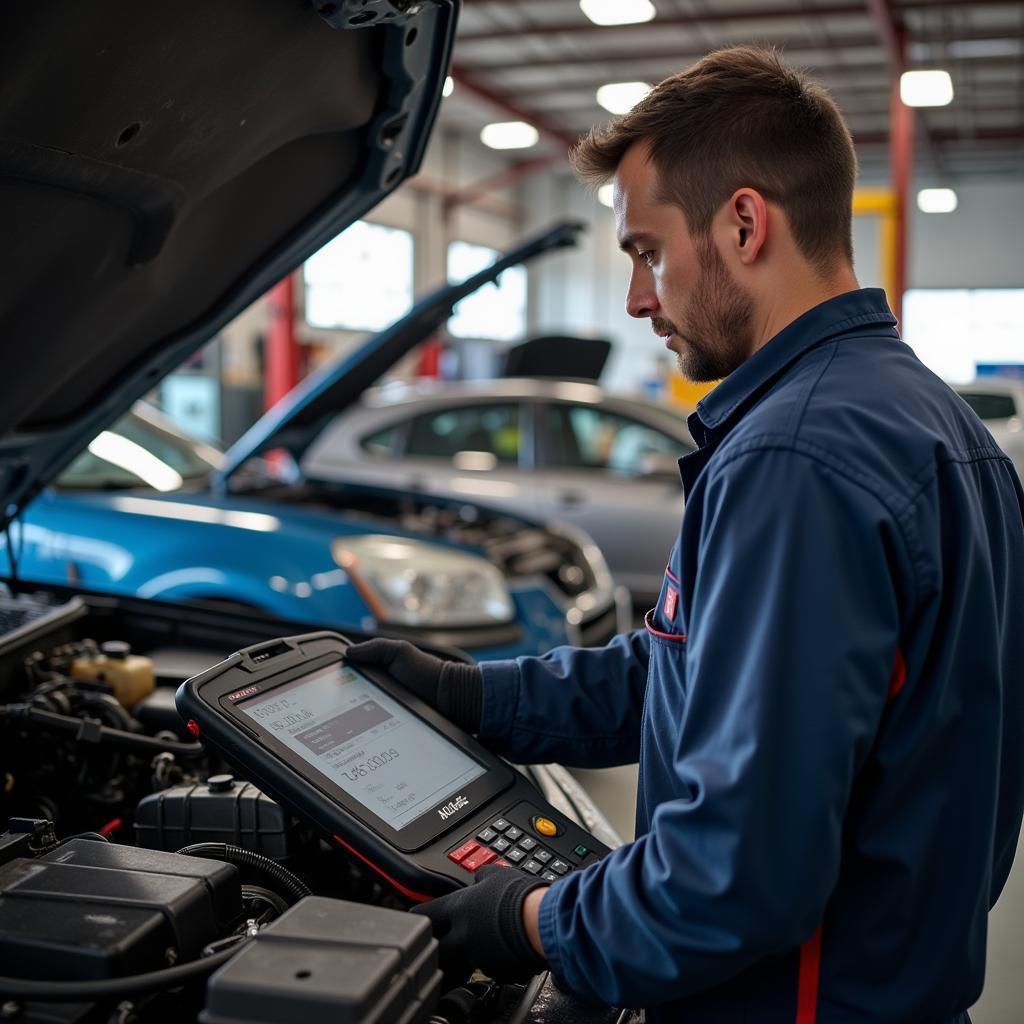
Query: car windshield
{"type": "Point", "coordinates": [140, 451]}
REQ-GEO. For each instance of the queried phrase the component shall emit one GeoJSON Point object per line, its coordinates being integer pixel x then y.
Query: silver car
{"type": "Point", "coordinates": [551, 449]}
{"type": "Point", "coordinates": [1000, 405]}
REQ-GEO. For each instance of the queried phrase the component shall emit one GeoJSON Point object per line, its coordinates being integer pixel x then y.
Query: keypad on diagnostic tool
{"type": "Point", "coordinates": [505, 843]}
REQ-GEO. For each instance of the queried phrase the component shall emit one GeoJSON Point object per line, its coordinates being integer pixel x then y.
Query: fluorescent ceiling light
{"type": "Point", "coordinates": [926, 88]}
{"type": "Point", "coordinates": [509, 135]}
{"type": "Point", "coordinates": [617, 12]}
{"type": "Point", "coordinates": [449, 86]}
{"type": "Point", "coordinates": [622, 97]}
{"type": "Point", "coordinates": [936, 200]}
{"type": "Point", "coordinates": [605, 194]}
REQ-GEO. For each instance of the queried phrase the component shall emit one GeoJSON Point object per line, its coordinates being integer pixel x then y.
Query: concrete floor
{"type": "Point", "coordinates": [614, 790]}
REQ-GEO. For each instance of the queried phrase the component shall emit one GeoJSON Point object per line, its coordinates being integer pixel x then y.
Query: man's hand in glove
{"type": "Point", "coordinates": [453, 687]}
{"type": "Point", "coordinates": [483, 925]}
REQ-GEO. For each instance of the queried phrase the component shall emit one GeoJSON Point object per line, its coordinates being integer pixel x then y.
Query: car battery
{"type": "Point", "coordinates": [220, 810]}
{"type": "Point", "coordinates": [92, 910]}
{"type": "Point", "coordinates": [330, 962]}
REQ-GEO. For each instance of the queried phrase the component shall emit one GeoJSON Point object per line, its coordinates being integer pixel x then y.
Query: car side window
{"type": "Point", "coordinates": [383, 442]}
{"type": "Point", "coordinates": [476, 428]}
{"type": "Point", "coordinates": [989, 406]}
{"type": "Point", "coordinates": [583, 437]}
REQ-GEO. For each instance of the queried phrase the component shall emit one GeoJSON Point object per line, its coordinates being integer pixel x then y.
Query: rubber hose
{"type": "Point", "coordinates": [241, 857]}
{"type": "Point", "coordinates": [49, 721]}
{"type": "Point", "coordinates": [89, 991]}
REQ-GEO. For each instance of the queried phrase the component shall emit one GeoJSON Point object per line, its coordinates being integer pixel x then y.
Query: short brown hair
{"type": "Point", "coordinates": [741, 117]}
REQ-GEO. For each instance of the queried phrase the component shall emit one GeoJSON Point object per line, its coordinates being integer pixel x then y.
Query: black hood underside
{"type": "Point", "coordinates": [162, 166]}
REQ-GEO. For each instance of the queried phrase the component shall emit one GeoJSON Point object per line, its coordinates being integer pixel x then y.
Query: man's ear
{"type": "Point", "coordinates": [747, 219]}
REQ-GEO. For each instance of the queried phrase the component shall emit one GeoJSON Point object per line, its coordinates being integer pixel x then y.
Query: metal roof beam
{"type": "Point", "coordinates": [667, 49]}
{"type": "Point", "coordinates": [663, 50]}
{"type": "Point", "coordinates": [574, 104]}
{"type": "Point", "coordinates": [497, 182]}
{"type": "Point", "coordinates": [501, 103]}
{"type": "Point", "coordinates": [581, 26]}
{"type": "Point", "coordinates": [832, 73]}
{"type": "Point", "coordinates": [893, 34]}
{"type": "Point", "coordinates": [994, 135]}
{"type": "Point", "coordinates": [882, 13]}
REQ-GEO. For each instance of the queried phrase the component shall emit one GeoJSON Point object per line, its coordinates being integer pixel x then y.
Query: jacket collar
{"type": "Point", "coordinates": [838, 315]}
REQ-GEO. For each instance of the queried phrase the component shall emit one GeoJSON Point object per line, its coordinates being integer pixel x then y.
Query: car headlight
{"type": "Point", "coordinates": [417, 584]}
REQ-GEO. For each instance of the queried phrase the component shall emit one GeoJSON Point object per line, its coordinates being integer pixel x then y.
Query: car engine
{"type": "Point", "coordinates": [141, 880]}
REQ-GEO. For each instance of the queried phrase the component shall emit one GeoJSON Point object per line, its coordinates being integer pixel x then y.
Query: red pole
{"type": "Point", "coordinates": [282, 362]}
{"type": "Point", "coordinates": [901, 168]}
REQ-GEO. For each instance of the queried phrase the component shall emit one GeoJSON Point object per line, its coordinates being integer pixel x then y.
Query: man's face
{"type": "Point", "coordinates": [679, 282]}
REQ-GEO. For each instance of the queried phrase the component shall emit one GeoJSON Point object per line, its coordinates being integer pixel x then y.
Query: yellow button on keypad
{"type": "Point", "coordinates": [545, 827]}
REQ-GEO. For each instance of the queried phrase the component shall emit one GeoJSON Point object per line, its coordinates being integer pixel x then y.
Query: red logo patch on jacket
{"type": "Point", "coordinates": [671, 603]}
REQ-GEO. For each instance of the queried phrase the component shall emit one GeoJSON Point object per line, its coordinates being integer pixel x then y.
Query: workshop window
{"type": "Point", "coordinates": [965, 333]}
{"type": "Point", "coordinates": [361, 280]}
{"type": "Point", "coordinates": [496, 312]}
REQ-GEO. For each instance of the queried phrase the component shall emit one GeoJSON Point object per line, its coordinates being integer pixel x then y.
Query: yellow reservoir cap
{"type": "Point", "coordinates": [131, 676]}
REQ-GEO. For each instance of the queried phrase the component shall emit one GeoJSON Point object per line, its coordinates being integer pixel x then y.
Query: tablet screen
{"type": "Point", "coordinates": [365, 742]}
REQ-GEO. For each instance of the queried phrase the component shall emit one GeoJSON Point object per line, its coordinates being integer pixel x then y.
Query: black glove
{"type": "Point", "coordinates": [482, 926]}
{"type": "Point", "coordinates": [452, 687]}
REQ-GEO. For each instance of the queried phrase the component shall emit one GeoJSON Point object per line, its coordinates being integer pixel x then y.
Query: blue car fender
{"type": "Point", "coordinates": [95, 543]}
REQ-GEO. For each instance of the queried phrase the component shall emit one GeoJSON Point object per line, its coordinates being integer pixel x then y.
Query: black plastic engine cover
{"type": "Point", "coordinates": [220, 810]}
{"type": "Point", "coordinates": [91, 910]}
{"type": "Point", "coordinates": [330, 962]}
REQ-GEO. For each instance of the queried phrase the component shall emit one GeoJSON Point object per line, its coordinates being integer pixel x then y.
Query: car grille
{"type": "Point", "coordinates": [518, 549]}
{"type": "Point", "coordinates": [533, 552]}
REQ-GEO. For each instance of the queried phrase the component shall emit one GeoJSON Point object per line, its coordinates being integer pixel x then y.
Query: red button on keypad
{"type": "Point", "coordinates": [463, 852]}
{"type": "Point", "coordinates": [478, 859]}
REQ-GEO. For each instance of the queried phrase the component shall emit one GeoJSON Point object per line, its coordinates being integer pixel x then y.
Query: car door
{"type": "Point", "coordinates": [613, 476]}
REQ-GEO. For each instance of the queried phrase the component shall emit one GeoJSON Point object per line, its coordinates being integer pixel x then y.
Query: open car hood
{"type": "Point", "coordinates": [297, 419]}
{"type": "Point", "coordinates": [162, 166]}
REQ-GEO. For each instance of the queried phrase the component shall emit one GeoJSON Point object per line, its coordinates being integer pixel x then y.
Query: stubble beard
{"type": "Point", "coordinates": [717, 333]}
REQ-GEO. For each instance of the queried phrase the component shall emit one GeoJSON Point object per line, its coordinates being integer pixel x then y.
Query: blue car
{"type": "Point", "coordinates": [134, 514]}
{"type": "Point", "coordinates": [148, 511]}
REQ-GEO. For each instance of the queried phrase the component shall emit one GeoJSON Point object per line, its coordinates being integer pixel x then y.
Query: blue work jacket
{"type": "Point", "coordinates": [827, 704]}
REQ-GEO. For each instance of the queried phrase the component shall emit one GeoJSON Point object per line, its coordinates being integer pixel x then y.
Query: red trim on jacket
{"type": "Point", "coordinates": [807, 982]}
{"type": "Point", "coordinates": [672, 576]}
{"type": "Point", "coordinates": [899, 675]}
{"type": "Point", "coordinates": [678, 637]}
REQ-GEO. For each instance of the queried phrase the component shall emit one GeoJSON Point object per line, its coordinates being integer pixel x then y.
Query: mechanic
{"type": "Point", "coordinates": [826, 703]}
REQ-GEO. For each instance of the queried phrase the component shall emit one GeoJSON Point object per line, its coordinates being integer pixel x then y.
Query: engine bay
{"type": "Point", "coordinates": [142, 879]}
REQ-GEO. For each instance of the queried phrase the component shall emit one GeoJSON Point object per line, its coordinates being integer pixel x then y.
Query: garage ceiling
{"type": "Point", "coordinates": [542, 60]}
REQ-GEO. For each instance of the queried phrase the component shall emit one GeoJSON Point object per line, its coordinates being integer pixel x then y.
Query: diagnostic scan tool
{"type": "Point", "coordinates": [376, 770]}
